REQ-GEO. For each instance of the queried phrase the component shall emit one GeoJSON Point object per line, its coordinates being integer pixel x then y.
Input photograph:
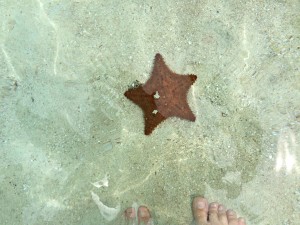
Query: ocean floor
{"type": "Point", "coordinates": [72, 146]}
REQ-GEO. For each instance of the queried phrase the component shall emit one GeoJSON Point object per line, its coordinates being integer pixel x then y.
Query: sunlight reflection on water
{"type": "Point", "coordinates": [286, 159]}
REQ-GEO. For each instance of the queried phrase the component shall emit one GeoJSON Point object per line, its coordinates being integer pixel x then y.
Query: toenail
{"type": "Point", "coordinates": [213, 205]}
{"type": "Point", "coordinates": [221, 208]}
{"type": "Point", "coordinates": [230, 212]}
{"type": "Point", "coordinates": [200, 205]}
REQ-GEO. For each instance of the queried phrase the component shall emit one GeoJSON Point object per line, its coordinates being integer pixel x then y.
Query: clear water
{"type": "Point", "coordinates": [72, 148]}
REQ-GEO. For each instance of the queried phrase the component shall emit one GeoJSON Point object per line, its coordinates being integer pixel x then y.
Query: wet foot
{"type": "Point", "coordinates": [142, 217]}
{"type": "Point", "coordinates": [203, 213]}
{"type": "Point", "coordinates": [213, 214]}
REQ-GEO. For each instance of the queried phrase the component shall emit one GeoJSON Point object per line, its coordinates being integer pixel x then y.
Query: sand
{"type": "Point", "coordinates": [71, 144]}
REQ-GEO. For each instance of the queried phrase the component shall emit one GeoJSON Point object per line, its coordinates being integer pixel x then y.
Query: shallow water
{"type": "Point", "coordinates": [71, 143]}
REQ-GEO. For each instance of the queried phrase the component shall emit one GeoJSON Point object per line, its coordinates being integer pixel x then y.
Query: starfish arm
{"type": "Point", "coordinates": [184, 83]}
{"type": "Point", "coordinates": [183, 111]}
{"type": "Point", "coordinates": [152, 121]}
{"type": "Point", "coordinates": [141, 98]}
{"type": "Point", "coordinates": [147, 103]}
{"type": "Point", "coordinates": [160, 68]}
{"type": "Point", "coordinates": [159, 74]}
{"type": "Point", "coordinates": [173, 98]}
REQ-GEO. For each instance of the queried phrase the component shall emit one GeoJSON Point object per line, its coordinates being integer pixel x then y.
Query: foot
{"type": "Point", "coordinates": [213, 214]}
{"type": "Point", "coordinates": [143, 216]}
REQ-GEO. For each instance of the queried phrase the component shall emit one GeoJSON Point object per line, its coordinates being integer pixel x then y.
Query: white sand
{"type": "Point", "coordinates": [64, 66]}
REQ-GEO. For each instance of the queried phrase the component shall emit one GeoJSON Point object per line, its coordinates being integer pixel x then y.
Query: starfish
{"type": "Point", "coordinates": [164, 95]}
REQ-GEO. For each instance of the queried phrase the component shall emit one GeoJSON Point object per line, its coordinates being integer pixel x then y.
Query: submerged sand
{"type": "Point", "coordinates": [68, 134]}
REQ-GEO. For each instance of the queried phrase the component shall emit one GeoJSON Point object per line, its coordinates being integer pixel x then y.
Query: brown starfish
{"type": "Point", "coordinates": [163, 95]}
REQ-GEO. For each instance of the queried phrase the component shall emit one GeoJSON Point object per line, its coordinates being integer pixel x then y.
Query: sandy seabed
{"type": "Point", "coordinates": [72, 148]}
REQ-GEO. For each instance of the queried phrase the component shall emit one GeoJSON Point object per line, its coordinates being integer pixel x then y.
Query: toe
{"type": "Point", "coordinates": [241, 221]}
{"type": "Point", "coordinates": [231, 217]}
{"type": "Point", "coordinates": [200, 209]}
{"type": "Point", "coordinates": [213, 212]}
{"type": "Point", "coordinates": [143, 215]}
{"type": "Point", "coordinates": [129, 213]}
{"type": "Point", "coordinates": [222, 214]}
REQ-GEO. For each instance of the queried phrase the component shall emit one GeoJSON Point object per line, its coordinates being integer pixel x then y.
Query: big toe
{"type": "Point", "coordinates": [144, 216]}
{"type": "Point", "coordinates": [200, 210]}
{"type": "Point", "coordinates": [129, 213]}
